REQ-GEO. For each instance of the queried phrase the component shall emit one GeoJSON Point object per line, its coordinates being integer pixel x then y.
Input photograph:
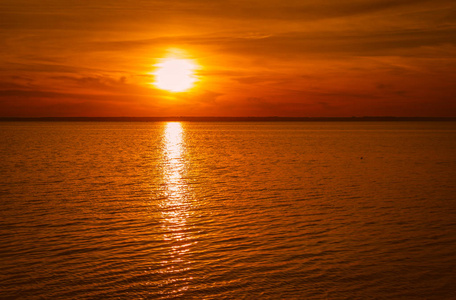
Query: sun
{"type": "Point", "coordinates": [175, 74]}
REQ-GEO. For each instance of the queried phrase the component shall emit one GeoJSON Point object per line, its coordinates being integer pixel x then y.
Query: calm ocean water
{"type": "Point", "coordinates": [228, 210]}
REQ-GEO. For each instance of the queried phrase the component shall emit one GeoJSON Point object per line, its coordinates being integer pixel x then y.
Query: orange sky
{"type": "Point", "coordinates": [258, 58]}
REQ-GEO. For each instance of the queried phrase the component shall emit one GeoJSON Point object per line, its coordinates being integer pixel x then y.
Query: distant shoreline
{"type": "Point", "coordinates": [228, 119]}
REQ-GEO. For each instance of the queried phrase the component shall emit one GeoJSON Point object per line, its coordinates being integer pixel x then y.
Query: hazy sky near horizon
{"type": "Point", "coordinates": [257, 58]}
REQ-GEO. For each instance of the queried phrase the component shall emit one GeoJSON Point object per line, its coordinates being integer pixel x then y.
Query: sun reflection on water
{"type": "Point", "coordinates": [175, 206]}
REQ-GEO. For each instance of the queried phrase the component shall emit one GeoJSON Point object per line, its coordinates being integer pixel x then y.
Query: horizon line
{"type": "Point", "coordinates": [224, 119]}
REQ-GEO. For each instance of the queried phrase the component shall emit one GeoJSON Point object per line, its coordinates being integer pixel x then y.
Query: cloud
{"type": "Point", "coordinates": [156, 16]}
{"type": "Point", "coordinates": [43, 68]}
{"type": "Point", "coordinates": [319, 43]}
{"type": "Point", "coordinates": [347, 43]}
{"type": "Point", "coordinates": [46, 103]}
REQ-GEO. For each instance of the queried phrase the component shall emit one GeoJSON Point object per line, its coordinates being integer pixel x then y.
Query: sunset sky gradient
{"type": "Point", "coordinates": [258, 58]}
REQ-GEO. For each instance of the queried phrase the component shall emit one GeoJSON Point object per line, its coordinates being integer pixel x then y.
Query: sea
{"type": "Point", "coordinates": [228, 210]}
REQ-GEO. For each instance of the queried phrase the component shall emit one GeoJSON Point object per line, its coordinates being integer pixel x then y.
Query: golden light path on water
{"type": "Point", "coordinates": [175, 207]}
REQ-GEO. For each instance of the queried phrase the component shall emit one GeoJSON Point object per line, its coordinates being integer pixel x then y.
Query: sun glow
{"type": "Point", "coordinates": [175, 74]}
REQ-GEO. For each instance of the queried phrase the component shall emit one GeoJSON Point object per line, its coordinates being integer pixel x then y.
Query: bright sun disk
{"type": "Point", "coordinates": [175, 74]}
